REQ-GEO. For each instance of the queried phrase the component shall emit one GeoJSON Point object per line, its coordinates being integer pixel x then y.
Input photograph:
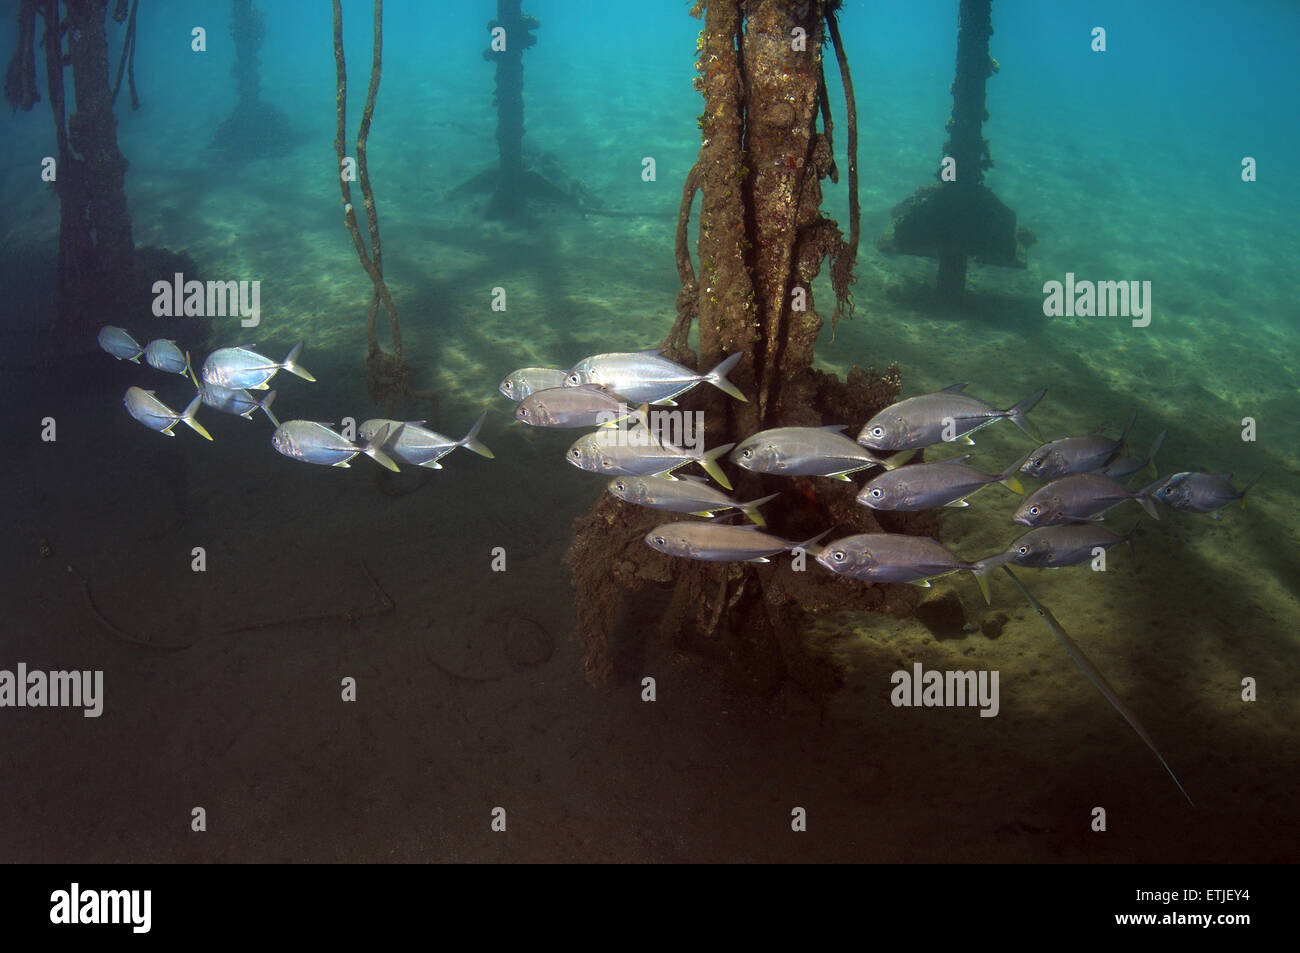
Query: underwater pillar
{"type": "Point", "coordinates": [762, 239]}
{"type": "Point", "coordinates": [248, 30]}
{"type": "Point", "coordinates": [966, 144]}
{"type": "Point", "coordinates": [960, 218]}
{"type": "Point", "coordinates": [95, 243]}
{"type": "Point", "coordinates": [508, 196]}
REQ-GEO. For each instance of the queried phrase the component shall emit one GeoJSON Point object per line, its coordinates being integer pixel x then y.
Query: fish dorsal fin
{"type": "Point", "coordinates": [653, 351]}
{"type": "Point", "coordinates": [835, 428]}
{"type": "Point", "coordinates": [954, 388]}
{"type": "Point", "coordinates": [961, 459]}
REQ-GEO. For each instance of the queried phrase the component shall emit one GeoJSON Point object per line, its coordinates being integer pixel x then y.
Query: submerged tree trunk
{"type": "Point", "coordinates": [762, 240]}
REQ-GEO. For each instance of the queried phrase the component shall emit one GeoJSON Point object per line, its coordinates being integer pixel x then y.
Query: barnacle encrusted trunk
{"type": "Point", "coordinates": [762, 240]}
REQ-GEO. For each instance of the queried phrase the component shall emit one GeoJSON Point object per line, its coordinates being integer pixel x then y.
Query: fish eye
{"type": "Point", "coordinates": [877, 492]}
{"type": "Point", "coordinates": [1035, 510]}
{"type": "Point", "coordinates": [523, 411]}
{"type": "Point", "coordinates": [747, 452]}
{"type": "Point", "coordinates": [660, 540]}
{"type": "Point", "coordinates": [576, 453]}
{"type": "Point", "coordinates": [620, 485]}
{"type": "Point", "coordinates": [839, 556]}
{"type": "Point", "coordinates": [877, 431]}
{"type": "Point", "coordinates": [1023, 550]}
{"type": "Point", "coordinates": [575, 379]}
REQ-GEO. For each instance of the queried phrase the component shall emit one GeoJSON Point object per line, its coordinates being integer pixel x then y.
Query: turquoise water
{"type": "Point", "coordinates": [1126, 165]}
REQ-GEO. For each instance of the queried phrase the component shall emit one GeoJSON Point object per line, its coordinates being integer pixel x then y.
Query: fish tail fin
{"type": "Point", "coordinates": [750, 510]}
{"type": "Point", "coordinates": [1155, 448]}
{"type": "Point", "coordinates": [1148, 501]}
{"type": "Point", "coordinates": [898, 459]}
{"type": "Point", "coordinates": [373, 448]}
{"type": "Point", "coordinates": [718, 376]}
{"type": "Point", "coordinates": [265, 404]}
{"type": "Point", "coordinates": [710, 464]}
{"type": "Point", "coordinates": [984, 567]}
{"type": "Point", "coordinates": [1008, 476]}
{"type": "Point", "coordinates": [471, 441]}
{"type": "Point", "coordinates": [189, 369]}
{"type": "Point", "coordinates": [807, 546]}
{"type": "Point", "coordinates": [192, 421]}
{"type": "Point", "coordinates": [1246, 489]}
{"type": "Point", "coordinates": [1017, 414]}
{"type": "Point", "coordinates": [291, 363]}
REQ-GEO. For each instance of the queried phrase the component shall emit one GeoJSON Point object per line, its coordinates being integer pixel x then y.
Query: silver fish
{"type": "Point", "coordinates": [919, 422]}
{"type": "Point", "coordinates": [587, 406]}
{"type": "Point", "coordinates": [1051, 547]}
{"type": "Point", "coordinates": [240, 368]}
{"type": "Point", "coordinates": [313, 442]}
{"type": "Point", "coordinates": [119, 343]}
{"type": "Point", "coordinates": [885, 557]}
{"type": "Point", "coordinates": [1081, 496]}
{"type": "Point", "coordinates": [166, 356]}
{"type": "Point", "coordinates": [719, 542]}
{"type": "Point", "coordinates": [1120, 467]}
{"type": "Point", "coordinates": [529, 380]}
{"type": "Point", "coordinates": [647, 377]}
{"type": "Point", "coordinates": [804, 451]}
{"type": "Point", "coordinates": [154, 414]}
{"type": "Point", "coordinates": [419, 447]}
{"type": "Point", "coordinates": [639, 452]}
{"type": "Point", "coordinates": [236, 401]}
{"type": "Point", "coordinates": [1075, 454]}
{"type": "Point", "coordinates": [683, 494]}
{"type": "Point", "coordinates": [1200, 492]}
{"type": "Point", "coordinates": [923, 486]}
